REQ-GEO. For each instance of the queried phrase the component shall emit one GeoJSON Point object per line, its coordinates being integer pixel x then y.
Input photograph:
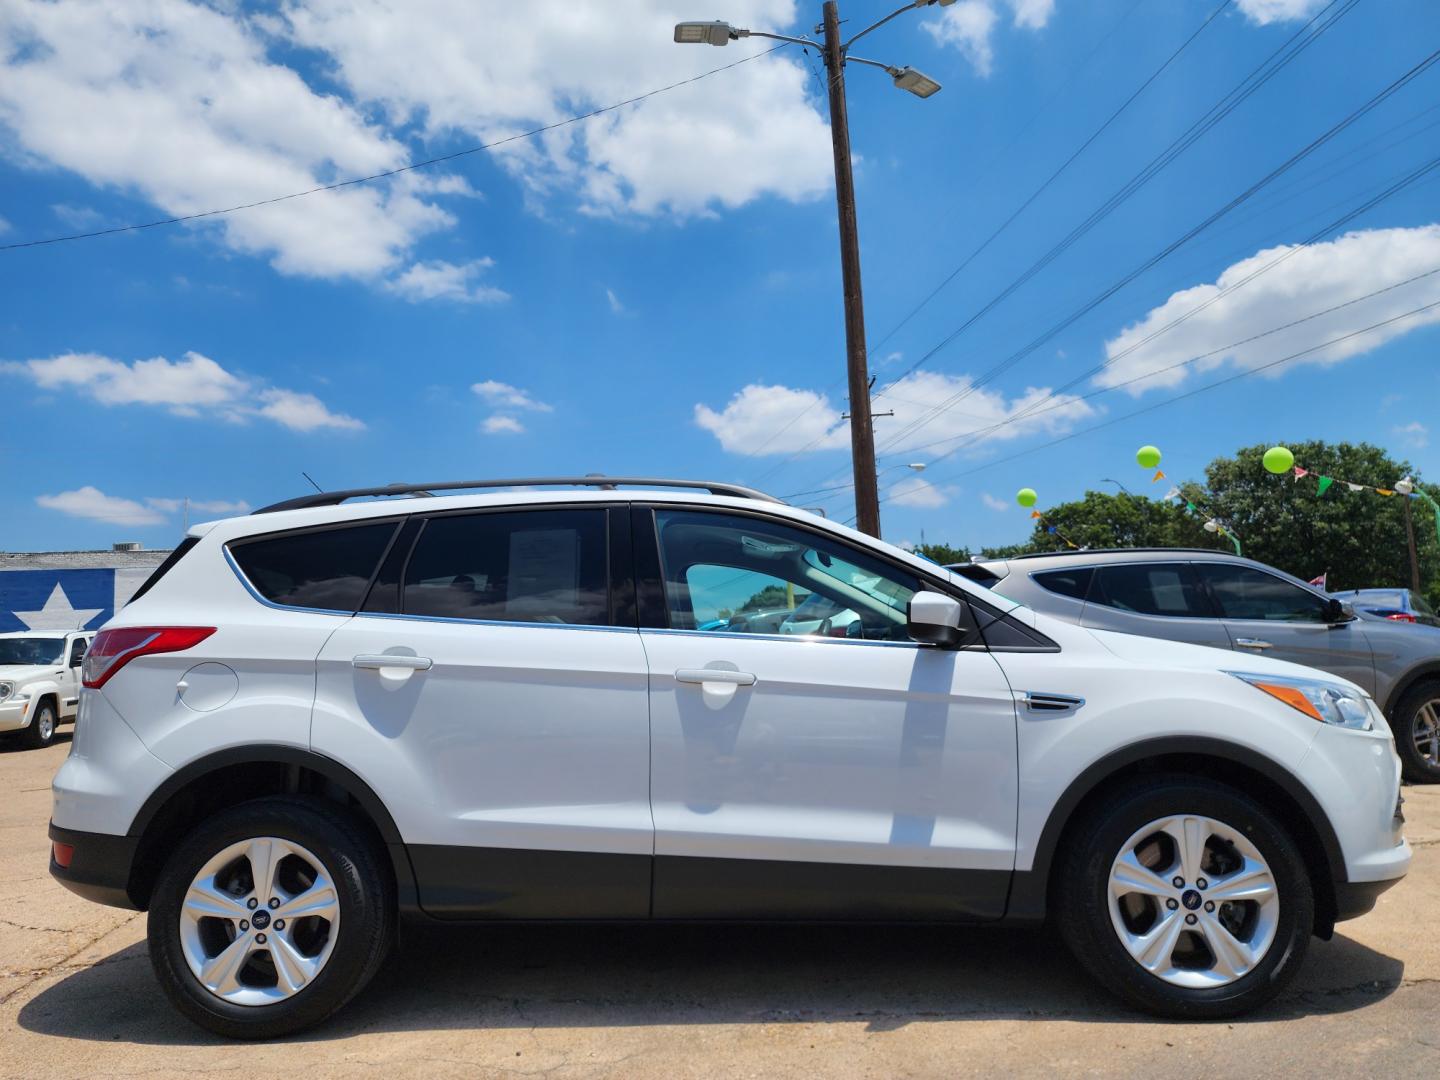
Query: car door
{"type": "Point", "coordinates": [75, 648]}
{"type": "Point", "coordinates": [1161, 599]}
{"type": "Point", "coordinates": [491, 690]}
{"type": "Point", "coordinates": [840, 773]}
{"type": "Point", "coordinates": [1267, 615]}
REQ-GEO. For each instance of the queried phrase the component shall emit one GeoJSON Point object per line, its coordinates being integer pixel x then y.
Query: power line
{"type": "Point", "coordinates": [1179, 242]}
{"type": "Point", "coordinates": [411, 167]}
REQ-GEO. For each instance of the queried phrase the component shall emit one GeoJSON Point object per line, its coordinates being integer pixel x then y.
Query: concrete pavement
{"type": "Point", "coordinates": [77, 997]}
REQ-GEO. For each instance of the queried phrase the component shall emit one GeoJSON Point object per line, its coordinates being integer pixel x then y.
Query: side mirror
{"type": "Point", "coordinates": [934, 619]}
{"type": "Point", "coordinates": [1336, 612]}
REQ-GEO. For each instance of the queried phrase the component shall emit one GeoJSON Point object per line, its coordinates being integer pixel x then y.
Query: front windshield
{"type": "Point", "coordinates": [31, 651]}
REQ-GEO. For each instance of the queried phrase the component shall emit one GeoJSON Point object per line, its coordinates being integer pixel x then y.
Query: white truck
{"type": "Point", "coordinates": [40, 682]}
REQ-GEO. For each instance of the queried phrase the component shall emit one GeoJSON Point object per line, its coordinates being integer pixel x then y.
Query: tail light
{"type": "Point", "coordinates": [113, 649]}
{"type": "Point", "coordinates": [1400, 616]}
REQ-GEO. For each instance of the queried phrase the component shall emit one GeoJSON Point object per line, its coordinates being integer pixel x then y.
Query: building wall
{"type": "Point", "coordinates": [68, 590]}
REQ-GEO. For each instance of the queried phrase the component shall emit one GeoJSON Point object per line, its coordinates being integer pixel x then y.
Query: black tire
{"type": "Point", "coordinates": [1083, 909]}
{"type": "Point", "coordinates": [366, 922]}
{"type": "Point", "coordinates": [1404, 721]}
{"type": "Point", "coordinates": [43, 725]}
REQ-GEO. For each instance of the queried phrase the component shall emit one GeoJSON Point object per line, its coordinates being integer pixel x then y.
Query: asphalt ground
{"type": "Point", "coordinates": [77, 997]}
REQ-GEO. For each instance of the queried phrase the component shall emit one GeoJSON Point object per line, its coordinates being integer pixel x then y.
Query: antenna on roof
{"type": "Point", "coordinates": [313, 484]}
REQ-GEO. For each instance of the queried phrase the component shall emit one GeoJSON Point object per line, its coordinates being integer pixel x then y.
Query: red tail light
{"type": "Point", "coordinates": [113, 649]}
{"type": "Point", "coordinates": [1400, 616]}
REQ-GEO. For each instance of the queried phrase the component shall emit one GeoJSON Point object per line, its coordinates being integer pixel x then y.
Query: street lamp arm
{"type": "Point", "coordinates": [778, 37]}
{"type": "Point", "coordinates": [889, 69]}
{"type": "Point", "coordinates": [893, 15]}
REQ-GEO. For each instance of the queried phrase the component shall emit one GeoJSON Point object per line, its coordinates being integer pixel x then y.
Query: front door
{"type": "Point", "coordinates": [1162, 600]}
{"type": "Point", "coordinates": [492, 691]}
{"type": "Point", "coordinates": [808, 759]}
{"type": "Point", "coordinates": [1269, 616]}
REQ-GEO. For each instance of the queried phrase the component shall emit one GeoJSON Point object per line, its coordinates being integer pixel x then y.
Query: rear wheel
{"type": "Point", "coordinates": [269, 917]}
{"type": "Point", "coordinates": [1416, 724]}
{"type": "Point", "coordinates": [1186, 898]}
{"type": "Point", "coordinates": [41, 732]}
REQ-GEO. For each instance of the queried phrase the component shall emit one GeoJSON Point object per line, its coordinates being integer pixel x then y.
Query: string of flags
{"type": "Point", "coordinates": [1280, 461]}
{"type": "Point", "coordinates": [1149, 457]}
{"type": "Point", "coordinates": [1027, 497]}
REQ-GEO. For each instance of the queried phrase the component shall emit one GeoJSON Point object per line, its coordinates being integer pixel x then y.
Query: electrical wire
{"type": "Point", "coordinates": [411, 167]}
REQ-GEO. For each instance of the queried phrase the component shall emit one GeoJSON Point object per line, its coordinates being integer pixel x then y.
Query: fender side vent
{"type": "Point", "coordinates": [1042, 702]}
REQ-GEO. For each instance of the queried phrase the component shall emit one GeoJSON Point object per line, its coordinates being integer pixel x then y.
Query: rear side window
{"type": "Point", "coordinates": [1169, 589]}
{"type": "Point", "coordinates": [1072, 583]}
{"type": "Point", "coordinates": [541, 566]}
{"type": "Point", "coordinates": [328, 569]}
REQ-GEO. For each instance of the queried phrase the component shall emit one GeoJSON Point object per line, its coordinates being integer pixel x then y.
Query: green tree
{"type": "Point", "coordinates": [771, 596]}
{"type": "Point", "coordinates": [1358, 537]}
{"type": "Point", "coordinates": [1103, 520]}
{"type": "Point", "coordinates": [943, 554]}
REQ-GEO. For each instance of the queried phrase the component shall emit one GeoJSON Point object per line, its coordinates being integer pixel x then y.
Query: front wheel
{"type": "Point", "coordinates": [1416, 724]}
{"type": "Point", "coordinates": [269, 917]}
{"type": "Point", "coordinates": [41, 732]}
{"type": "Point", "coordinates": [1186, 898]}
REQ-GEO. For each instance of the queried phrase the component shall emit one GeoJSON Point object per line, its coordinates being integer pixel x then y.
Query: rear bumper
{"type": "Point", "coordinates": [99, 868]}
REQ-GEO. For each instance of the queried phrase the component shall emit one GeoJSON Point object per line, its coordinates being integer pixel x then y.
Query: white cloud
{"type": "Point", "coordinates": [916, 491]}
{"type": "Point", "coordinates": [204, 506]}
{"type": "Point", "coordinates": [1262, 12]}
{"type": "Point", "coordinates": [192, 386]}
{"type": "Point", "coordinates": [502, 425]}
{"type": "Point", "coordinates": [1314, 279]}
{"type": "Point", "coordinates": [78, 218]}
{"type": "Point", "coordinates": [441, 280]}
{"type": "Point", "coordinates": [721, 142]}
{"type": "Point", "coordinates": [615, 305]}
{"type": "Point", "coordinates": [755, 420]}
{"type": "Point", "coordinates": [969, 25]}
{"type": "Point", "coordinates": [4, 226]}
{"type": "Point", "coordinates": [181, 104]}
{"type": "Point", "coordinates": [503, 395]}
{"type": "Point", "coordinates": [993, 503]}
{"type": "Point", "coordinates": [94, 504]}
{"type": "Point", "coordinates": [1414, 434]}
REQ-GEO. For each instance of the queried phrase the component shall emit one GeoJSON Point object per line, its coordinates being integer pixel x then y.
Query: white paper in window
{"type": "Point", "coordinates": [544, 573]}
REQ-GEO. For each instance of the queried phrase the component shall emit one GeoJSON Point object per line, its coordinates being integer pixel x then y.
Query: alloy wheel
{"type": "Point", "coordinates": [1426, 732]}
{"type": "Point", "coordinates": [259, 921]}
{"type": "Point", "coordinates": [1193, 901]}
{"type": "Point", "coordinates": [45, 724]}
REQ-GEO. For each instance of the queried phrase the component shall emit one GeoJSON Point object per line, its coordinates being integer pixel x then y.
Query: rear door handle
{"type": "Point", "coordinates": [714, 675]}
{"type": "Point", "coordinates": [1252, 643]}
{"type": "Point", "coordinates": [392, 660]}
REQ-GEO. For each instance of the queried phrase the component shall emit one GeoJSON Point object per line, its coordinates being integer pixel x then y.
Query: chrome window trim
{"type": "Point", "coordinates": [799, 638]}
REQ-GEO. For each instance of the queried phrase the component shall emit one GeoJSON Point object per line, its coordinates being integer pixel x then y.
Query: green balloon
{"type": "Point", "coordinates": [1026, 497]}
{"type": "Point", "coordinates": [1148, 456]}
{"type": "Point", "coordinates": [1279, 460]}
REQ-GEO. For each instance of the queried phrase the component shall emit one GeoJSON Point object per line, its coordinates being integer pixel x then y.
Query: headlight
{"type": "Point", "coordinates": [1330, 703]}
{"type": "Point", "coordinates": [6, 689]}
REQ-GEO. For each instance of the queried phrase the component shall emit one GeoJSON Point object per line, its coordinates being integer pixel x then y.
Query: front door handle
{"type": "Point", "coordinates": [1252, 643]}
{"type": "Point", "coordinates": [393, 660]}
{"type": "Point", "coordinates": [715, 675]}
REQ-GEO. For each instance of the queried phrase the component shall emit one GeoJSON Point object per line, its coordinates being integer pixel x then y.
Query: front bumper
{"type": "Point", "coordinates": [99, 865]}
{"type": "Point", "coordinates": [14, 714]}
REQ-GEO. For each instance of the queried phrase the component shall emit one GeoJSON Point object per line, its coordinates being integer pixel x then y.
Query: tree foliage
{"type": "Point", "coordinates": [1103, 520]}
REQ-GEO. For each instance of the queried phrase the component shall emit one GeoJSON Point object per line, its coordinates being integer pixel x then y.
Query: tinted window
{"type": "Point", "coordinates": [77, 652]}
{"type": "Point", "coordinates": [1072, 583]}
{"type": "Point", "coordinates": [1246, 593]}
{"type": "Point", "coordinates": [546, 566]}
{"type": "Point", "coordinates": [1151, 589]}
{"type": "Point", "coordinates": [328, 568]}
{"type": "Point", "coordinates": [766, 577]}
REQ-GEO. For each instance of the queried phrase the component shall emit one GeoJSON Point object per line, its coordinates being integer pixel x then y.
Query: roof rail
{"type": "Point", "coordinates": [607, 483]}
{"type": "Point", "coordinates": [1080, 552]}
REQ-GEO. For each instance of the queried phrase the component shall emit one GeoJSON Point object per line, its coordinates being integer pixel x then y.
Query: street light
{"type": "Point", "coordinates": [836, 55]}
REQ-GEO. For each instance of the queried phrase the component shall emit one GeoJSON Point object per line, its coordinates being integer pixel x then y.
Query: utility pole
{"type": "Point", "coordinates": [1414, 556]}
{"type": "Point", "coordinates": [836, 54]}
{"type": "Point", "coordinates": [862, 426]}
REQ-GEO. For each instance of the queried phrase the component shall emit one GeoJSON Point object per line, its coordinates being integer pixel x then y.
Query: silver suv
{"type": "Point", "coordinates": [1210, 598]}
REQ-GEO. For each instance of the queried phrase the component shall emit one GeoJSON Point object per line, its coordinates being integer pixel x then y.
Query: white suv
{"type": "Point", "coordinates": [328, 715]}
{"type": "Point", "coordinates": [39, 682]}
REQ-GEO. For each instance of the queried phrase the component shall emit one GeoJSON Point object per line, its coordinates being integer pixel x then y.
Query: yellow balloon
{"type": "Point", "coordinates": [1026, 497]}
{"type": "Point", "coordinates": [1148, 456]}
{"type": "Point", "coordinates": [1279, 460]}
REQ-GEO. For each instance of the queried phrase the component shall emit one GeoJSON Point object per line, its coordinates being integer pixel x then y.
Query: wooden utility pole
{"type": "Point", "coordinates": [862, 430]}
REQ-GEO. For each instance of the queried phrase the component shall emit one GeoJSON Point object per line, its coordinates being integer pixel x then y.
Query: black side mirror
{"type": "Point", "coordinates": [1335, 611]}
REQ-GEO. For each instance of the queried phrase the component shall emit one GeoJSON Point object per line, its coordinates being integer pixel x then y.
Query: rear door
{"type": "Point", "coordinates": [1154, 599]}
{"type": "Point", "coordinates": [1269, 616]}
{"type": "Point", "coordinates": [493, 690]}
{"type": "Point", "coordinates": [846, 772]}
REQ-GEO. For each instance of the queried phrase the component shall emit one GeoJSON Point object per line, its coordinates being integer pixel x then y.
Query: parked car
{"type": "Point", "coordinates": [821, 615]}
{"type": "Point", "coordinates": [1206, 597]}
{"type": "Point", "coordinates": [496, 705]}
{"type": "Point", "coordinates": [39, 682]}
{"type": "Point", "coordinates": [1397, 605]}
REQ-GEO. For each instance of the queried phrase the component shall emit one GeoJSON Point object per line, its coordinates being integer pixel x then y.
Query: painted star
{"type": "Point", "coordinates": [57, 614]}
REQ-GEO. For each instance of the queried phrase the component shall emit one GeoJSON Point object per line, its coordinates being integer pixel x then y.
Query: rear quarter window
{"type": "Point", "coordinates": [328, 569]}
{"type": "Point", "coordinates": [1072, 583]}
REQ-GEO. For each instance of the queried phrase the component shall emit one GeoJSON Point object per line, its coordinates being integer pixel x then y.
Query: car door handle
{"type": "Point", "coordinates": [714, 675]}
{"type": "Point", "coordinates": [392, 660]}
{"type": "Point", "coordinates": [1252, 643]}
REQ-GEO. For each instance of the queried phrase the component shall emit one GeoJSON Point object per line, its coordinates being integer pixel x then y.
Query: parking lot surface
{"type": "Point", "coordinates": [77, 997]}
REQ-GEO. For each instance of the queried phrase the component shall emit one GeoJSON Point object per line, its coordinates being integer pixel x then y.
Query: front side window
{"type": "Point", "coordinates": [31, 651]}
{"type": "Point", "coordinates": [77, 652]}
{"type": "Point", "coordinates": [751, 575]}
{"type": "Point", "coordinates": [1167, 589]}
{"type": "Point", "coordinates": [328, 569]}
{"type": "Point", "coordinates": [540, 566]}
{"type": "Point", "coordinates": [1243, 592]}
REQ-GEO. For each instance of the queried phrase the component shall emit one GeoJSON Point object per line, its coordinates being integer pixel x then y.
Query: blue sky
{"type": "Point", "coordinates": [657, 290]}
